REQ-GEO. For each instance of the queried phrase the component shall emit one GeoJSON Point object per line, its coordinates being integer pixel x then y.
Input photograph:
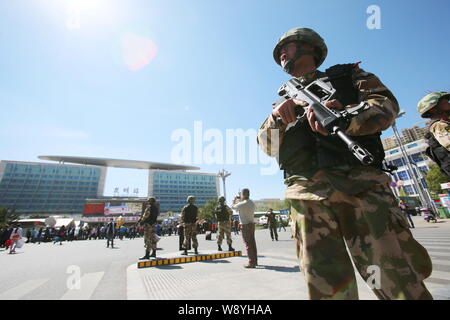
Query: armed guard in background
{"type": "Point", "coordinates": [149, 220]}
{"type": "Point", "coordinates": [223, 215]}
{"type": "Point", "coordinates": [339, 195]}
{"type": "Point", "coordinates": [189, 220]}
{"type": "Point", "coordinates": [435, 106]}
{"type": "Point", "coordinates": [272, 224]}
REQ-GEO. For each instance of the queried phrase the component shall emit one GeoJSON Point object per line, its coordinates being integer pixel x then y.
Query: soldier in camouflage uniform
{"type": "Point", "coordinates": [436, 107]}
{"type": "Point", "coordinates": [189, 220]}
{"type": "Point", "coordinates": [272, 224]}
{"type": "Point", "coordinates": [148, 220]}
{"type": "Point", "coordinates": [336, 203]}
{"type": "Point", "coordinates": [223, 214]}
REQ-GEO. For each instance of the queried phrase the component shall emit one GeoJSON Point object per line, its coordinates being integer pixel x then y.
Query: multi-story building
{"type": "Point", "coordinates": [408, 135]}
{"type": "Point", "coordinates": [170, 184]}
{"type": "Point", "coordinates": [46, 188]}
{"type": "Point", "coordinates": [172, 188]}
{"type": "Point", "coordinates": [413, 134]}
{"type": "Point", "coordinates": [389, 143]}
{"type": "Point", "coordinates": [416, 153]}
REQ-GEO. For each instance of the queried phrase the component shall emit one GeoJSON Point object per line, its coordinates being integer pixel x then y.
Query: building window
{"type": "Point", "coordinates": [403, 175]}
{"type": "Point", "coordinates": [408, 189]}
{"type": "Point", "coordinates": [398, 162]}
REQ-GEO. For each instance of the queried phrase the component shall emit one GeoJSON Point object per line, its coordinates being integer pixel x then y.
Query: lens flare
{"type": "Point", "coordinates": [138, 51]}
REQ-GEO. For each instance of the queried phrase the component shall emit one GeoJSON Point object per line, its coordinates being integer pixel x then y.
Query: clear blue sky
{"type": "Point", "coordinates": [115, 79]}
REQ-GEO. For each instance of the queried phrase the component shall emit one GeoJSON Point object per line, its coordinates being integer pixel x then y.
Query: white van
{"type": "Point", "coordinates": [262, 221]}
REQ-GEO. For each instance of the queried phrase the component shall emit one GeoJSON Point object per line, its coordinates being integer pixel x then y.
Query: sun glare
{"type": "Point", "coordinates": [77, 10]}
{"type": "Point", "coordinates": [86, 6]}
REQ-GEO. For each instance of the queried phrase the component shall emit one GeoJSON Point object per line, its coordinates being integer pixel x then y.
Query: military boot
{"type": "Point", "coordinates": [153, 255]}
{"type": "Point", "coordinates": [219, 248]}
{"type": "Point", "coordinates": [230, 248]}
{"type": "Point", "coordinates": [147, 255]}
{"type": "Point", "coordinates": [196, 252]}
{"type": "Point", "coordinates": [184, 253]}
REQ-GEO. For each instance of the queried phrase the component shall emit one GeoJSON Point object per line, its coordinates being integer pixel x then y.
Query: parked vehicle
{"type": "Point", "coordinates": [427, 215]}
{"type": "Point", "coordinates": [262, 221]}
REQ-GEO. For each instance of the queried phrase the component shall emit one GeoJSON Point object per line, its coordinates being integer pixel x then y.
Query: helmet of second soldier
{"type": "Point", "coordinates": [221, 199]}
{"type": "Point", "coordinates": [430, 101]}
{"type": "Point", "coordinates": [190, 199]}
{"type": "Point", "coordinates": [303, 35]}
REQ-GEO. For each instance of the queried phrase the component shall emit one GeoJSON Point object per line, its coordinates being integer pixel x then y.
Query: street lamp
{"type": "Point", "coordinates": [224, 174]}
{"type": "Point", "coordinates": [422, 198]}
{"type": "Point", "coordinates": [429, 199]}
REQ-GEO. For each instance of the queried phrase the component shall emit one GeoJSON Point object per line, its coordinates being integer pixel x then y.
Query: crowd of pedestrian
{"type": "Point", "coordinates": [70, 233]}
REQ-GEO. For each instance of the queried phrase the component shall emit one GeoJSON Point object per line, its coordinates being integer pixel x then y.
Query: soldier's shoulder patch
{"type": "Point", "coordinates": [438, 126]}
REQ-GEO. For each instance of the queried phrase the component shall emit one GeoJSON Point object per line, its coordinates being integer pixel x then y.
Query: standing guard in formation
{"type": "Point", "coordinates": [223, 215]}
{"type": "Point", "coordinates": [189, 220]}
{"type": "Point", "coordinates": [148, 220]}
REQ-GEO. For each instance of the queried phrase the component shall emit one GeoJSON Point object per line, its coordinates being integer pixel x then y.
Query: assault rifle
{"type": "Point", "coordinates": [334, 122]}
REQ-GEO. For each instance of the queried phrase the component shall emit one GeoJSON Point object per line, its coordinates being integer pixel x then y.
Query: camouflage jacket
{"type": "Point", "coordinates": [150, 215]}
{"type": "Point", "coordinates": [349, 179]}
{"type": "Point", "coordinates": [441, 132]}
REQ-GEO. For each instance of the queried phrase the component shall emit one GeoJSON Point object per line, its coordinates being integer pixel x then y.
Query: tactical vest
{"type": "Point", "coordinates": [222, 213]}
{"type": "Point", "coordinates": [190, 213]}
{"type": "Point", "coordinates": [438, 153]}
{"type": "Point", "coordinates": [151, 218]}
{"type": "Point", "coordinates": [303, 152]}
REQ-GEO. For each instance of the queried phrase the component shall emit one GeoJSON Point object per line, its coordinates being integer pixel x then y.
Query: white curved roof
{"type": "Point", "coordinates": [118, 163]}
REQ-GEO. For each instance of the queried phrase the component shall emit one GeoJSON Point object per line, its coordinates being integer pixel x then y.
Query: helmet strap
{"type": "Point", "coordinates": [289, 67]}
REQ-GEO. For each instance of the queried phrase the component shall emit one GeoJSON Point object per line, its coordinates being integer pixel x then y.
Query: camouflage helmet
{"type": "Point", "coordinates": [190, 198]}
{"type": "Point", "coordinates": [222, 198]}
{"type": "Point", "coordinates": [305, 35]}
{"type": "Point", "coordinates": [429, 102]}
{"type": "Point", "coordinates": [151, 199]}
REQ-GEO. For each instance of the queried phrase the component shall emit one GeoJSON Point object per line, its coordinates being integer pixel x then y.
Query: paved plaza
{"type": "Point", "coordinates": [87, 270]}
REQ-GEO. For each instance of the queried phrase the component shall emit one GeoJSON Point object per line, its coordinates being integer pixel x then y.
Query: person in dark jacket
{"type": "Point", "coordinates": [272, 223]}
{"type": "Point", "coordinates": [110, 233]}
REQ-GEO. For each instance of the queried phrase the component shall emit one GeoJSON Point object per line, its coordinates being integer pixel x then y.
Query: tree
{"type": "Point", "coordinates": [434, 177]}
{"type": "Point", "coordinates": [276, 205]}
{"type": "Point", "coordinates": [7, 216]}
{"type": "Point", "coordinates": [207, 211]}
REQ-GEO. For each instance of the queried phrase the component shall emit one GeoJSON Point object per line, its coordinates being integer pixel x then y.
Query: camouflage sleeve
{"type": "Point", "coordinates": [383, 105]}
{"type": "Point", "coordinates": [270, 136]}
{"type": "Point", "coordinates": [441, 131]}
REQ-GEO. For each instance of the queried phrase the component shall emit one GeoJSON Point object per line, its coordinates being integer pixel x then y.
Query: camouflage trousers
{"type": "Point", "coordinates": [374, 231]}
{"type": "Point", "coordinates": [149, 236]}
{"type": "Point", "coordinates": [224, 228]}
{"type": "Point", "coordinates": [190, 233]}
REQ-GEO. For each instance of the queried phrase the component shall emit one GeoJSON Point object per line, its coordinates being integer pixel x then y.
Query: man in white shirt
{"type": "Point", "coordinates": [246, 209]}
